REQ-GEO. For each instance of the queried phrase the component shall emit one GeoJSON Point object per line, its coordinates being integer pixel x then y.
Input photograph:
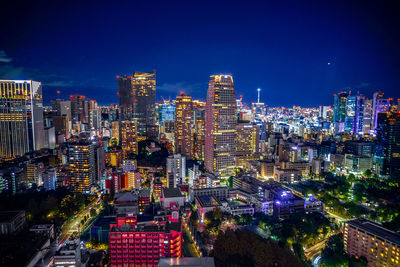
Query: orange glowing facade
{"type": "Point", "coordinates": [184, 127]}
{"type": "Point", "coordinates": [129, 137]}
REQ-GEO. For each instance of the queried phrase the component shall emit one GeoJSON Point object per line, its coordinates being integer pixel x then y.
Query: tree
{"type": "Point", "coordinates": [333, 254]}
{"type": "Point", "coordinates": [239, 248]}
{"type": "Point", "coordinates": [351, 178]}
{"type": "Point", "coordinates": [93, 213]}
{"type": "Point", "coordinates": [368, 173]}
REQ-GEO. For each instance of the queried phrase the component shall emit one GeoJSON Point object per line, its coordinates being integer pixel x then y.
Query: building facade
{"type": "Point", "coordinates": [137, 96]}
{"type": "Point", "coordinates": [184, 125]}
{"type": "Point", "coordinates": [220, 126]}
{"type": "Point", "coordinates": [21, 118]}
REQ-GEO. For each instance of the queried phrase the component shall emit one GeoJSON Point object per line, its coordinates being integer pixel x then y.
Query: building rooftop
{"type": "Point", "coordinates": [208, 201]}
{"type": "Point", "coordinates": [172, 192]}
{"type": "Point", "coordinates": [7, 216]}
{"type": "Point", "coordinates": [144, 193]}
{"type": "Point", "coordinates": [375, 229]}
{"type": "Point", "coordinates": [126, 196]}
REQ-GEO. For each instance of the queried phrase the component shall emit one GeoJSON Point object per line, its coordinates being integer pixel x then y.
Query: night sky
{"type": "Point", "coordinates": [297, 52]}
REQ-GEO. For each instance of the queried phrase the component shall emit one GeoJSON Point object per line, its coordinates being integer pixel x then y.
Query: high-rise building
{"type": "Point", "coordinates": [79, 108]}
{"type": "Point", "coordinates": [359, 116]}
{"type": "Point", "coordinates": [62, 107]}
{"type": "Point", "coordinates": [21, 117]}
{"type": "Point", "coordinates": [184, 126]}
{"type": "Point", "coordinates": [340, 101]}
{"type": "Point", "coordinates": [351, 106]}
{"type": "Point", "coordinates": [81, 167]}
{"type": "Point", "coordinates": [176, 170]}
{"type": "Point", "coordinates": [388, 136]}
{"type": "Point", "coordinates": [199, 130]}
{"type": "Point", "coordinates": [367, 118]}
{"type": "Point", "coordinates": [166, 112]}
{"type": "Point", "coordinates": [137, 97]}
{"type": "Point", "coordinates": [381, 105]}
{"type": "Point", "coordinates": [247, 143]}
{"type": "Point", "coordinates": [380, 246]}
{"type": "Point", "coordinates": [220, 125]}
{"type": "Point", "coordinates": [129, 137]}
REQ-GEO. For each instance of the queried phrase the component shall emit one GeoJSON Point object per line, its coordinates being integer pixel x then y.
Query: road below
{"type": "Point", "coordinates": [74, 224]}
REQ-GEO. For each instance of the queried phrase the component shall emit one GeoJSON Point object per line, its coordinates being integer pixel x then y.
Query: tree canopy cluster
{"type": "Point", "coordinates": [243, 248]}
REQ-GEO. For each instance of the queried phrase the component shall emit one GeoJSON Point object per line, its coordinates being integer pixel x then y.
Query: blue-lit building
{"type": "Point", "coordinates": [166, 112]}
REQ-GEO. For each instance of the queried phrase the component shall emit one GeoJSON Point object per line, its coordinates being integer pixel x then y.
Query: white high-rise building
{"type": "Point", "coordinates": [176, 170]}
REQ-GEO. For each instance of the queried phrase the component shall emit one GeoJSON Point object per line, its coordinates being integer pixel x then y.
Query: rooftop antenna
{"type": "Point", "coordinates": [258, 100]}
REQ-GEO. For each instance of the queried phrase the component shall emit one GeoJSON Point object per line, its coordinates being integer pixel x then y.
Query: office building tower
{"type": "Point", "coordinates": [379, 245]}
{"type": "Point", "coordinates": [184, 125]}
{"type": "Point", "coordinates": [144, 243]}
{"type": "Point", "coordinates": [21, 117]}
{"type": "Point", "coordinates": [388, 136]}
{"type": "Point", "coordinates": [351, 106]}
{"type": "Point", "coordinates": [62, 107]}
{"type": "Point", "coordinates": [176, 170]}
{"type": "Point", "coordinates": [199, 129]}
{"type": "Point", "coordinates": [129, 137]}
{"type": "Point", "coordinates": [95, 118]}
{"type": "Point", "coordinates": [375, 97]}
{"type": "Point", "coordinates": [81, 165]}
{"type": "Point", "coordinates": [79, 108]}
{"type": "Point", "coordinates": [382, 105]}
{"type": "Point", "coordinates": [323, 112]}
{"type": "Point", "coordinates": [137, 96]}
{"type": "Point", "coordinates": [247, 143]}
{"type": "Point", "coordinates": [115, 130]}
{"type": "Point", "coordinates": [340, 101]}
{"type": "Point", "coordinates": [166, 112]}
{"type": "Point", "coordinates": [220, 125]}
{"type": "Point", "coordinates": [367, 116]}
{"type": "Point", "coordinates": [359, 116]}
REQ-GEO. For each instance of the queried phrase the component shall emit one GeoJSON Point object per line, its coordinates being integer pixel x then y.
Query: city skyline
{"type": "Point", "coordinates": [209, 134]}
{"type": "Point", "coordinates": [280, 50]}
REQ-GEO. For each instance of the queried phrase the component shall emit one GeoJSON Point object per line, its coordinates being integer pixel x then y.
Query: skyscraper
{"type": "Point", "coordinates": [184, 126]}
{"type": "Point", "coordinates": [199, 129]}
{"type": "Point", "coordinates": [220, 125]}
{"type": "Point", "coordinates": [379, 105]}
{"type": "Point", "coordinates": [351, 105]}
{"type": "Point", "coordinates": [388, 136]}
{"type": "Point", "coordinates": [137, 97]}
{"type": "Point", "coordinates": [81, 169]}
{"type": "Point", "coordinates": [340, 100]}
{"type": "Point", "coordinates": [129, 137]}
{"type": "Point", "coordinates": [79, 108]}
{"type": "Point", "coordinates": [166, 112]}
{"type": "Point", "coordinates": [367, 116]}
{"type": "Point", "coordinates": [21, 117]}
{"type": "Point", "coordinates": [247, 143]}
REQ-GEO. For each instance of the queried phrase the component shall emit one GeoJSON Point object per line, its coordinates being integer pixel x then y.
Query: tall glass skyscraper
{"type": "Point", "coordinates": [388, 136]}
{"type": "Point", "coordinates": [21, 117]}
{"type": "Point", "coordinates": [220, 124]}
{"type": "Point", "coordinates": [137, 99]}
{"type": "Point", "coordinates": [166, 112]}
{"type": "Point", "coordinates": [339, 112]}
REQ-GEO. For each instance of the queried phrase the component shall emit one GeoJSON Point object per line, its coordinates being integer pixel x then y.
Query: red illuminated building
{"type": "Point", "coordinates": [144, 243]}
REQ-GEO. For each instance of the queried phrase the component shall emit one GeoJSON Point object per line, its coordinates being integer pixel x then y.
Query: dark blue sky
{"type": "Point", "coordinates": [283, 47]}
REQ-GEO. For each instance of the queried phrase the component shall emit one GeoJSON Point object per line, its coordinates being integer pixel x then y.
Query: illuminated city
{"type": "Point", "coordinates": [200, 134]}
